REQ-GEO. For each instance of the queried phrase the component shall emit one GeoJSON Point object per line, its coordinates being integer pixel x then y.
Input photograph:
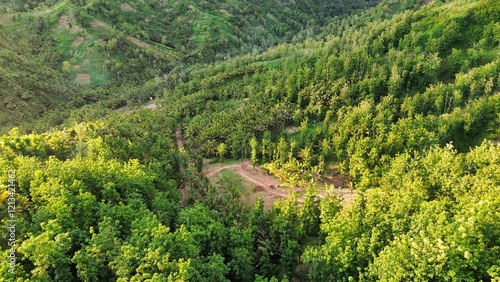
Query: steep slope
{"type": "Point", "coordinates": [380, 88]}
{"type": "Point", "coordinates": [393, 102]}
{"type": "Point", "coordinates": [116, 53]}
{"type": "Point", "coordinates": [209, 30]}
{"type": "Point", "coordinates": [30, 84]}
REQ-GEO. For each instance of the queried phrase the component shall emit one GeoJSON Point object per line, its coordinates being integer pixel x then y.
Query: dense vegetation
{"type": "Point", "coordinates": [388, 87]}
{"type": "Point", "coordinates": [29, 83]}
{"type": "Point", "coordinates": [401, 99]}
{"type": "Point", "coordinates": [126, 50]}
{"type": "Point", "coordinates": [206, 30]}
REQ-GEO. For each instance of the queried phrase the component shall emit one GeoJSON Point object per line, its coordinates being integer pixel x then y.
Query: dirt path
{"type": "Point", "coordinates": [137, 42]}
{"type": "Point", "coordinates": [269, 184]}
{"type": "Point", "coordinates": [178, 136]}
{"type": "Point", "coordinates": [268, 187]}
{"type": "Point", "coordinates": [265, 185]}
{"type": "Point", "coordinates": [142, 44]}
{"type": "Point", "coordinates": [151, 106]}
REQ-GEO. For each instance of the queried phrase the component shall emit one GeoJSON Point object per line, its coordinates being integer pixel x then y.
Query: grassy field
{"type": "Point", "coordinates": [246, 189]}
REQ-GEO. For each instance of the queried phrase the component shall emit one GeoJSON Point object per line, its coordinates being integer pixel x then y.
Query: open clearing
{"type": "Point", "coordinates": [95, 24]}
{"type": "Point", "coordinates": [143, 44]}
{"type": "Point", "coordinates": [263, 185]}
{"type": "Point", "coordinates": [83, 78]}
{"type": "Point", "coordinates": [64, 21]}
{"type": "Point", "coordinates": [127, 8]}
{"type": "Point", "coordinates": [151, 106]}
{"type": "Point", "coordinates": [77, 41]}
{"type": "Point", "coordinates": [137, 42]}
{"type": "Point", "coordinates": [269, 188]}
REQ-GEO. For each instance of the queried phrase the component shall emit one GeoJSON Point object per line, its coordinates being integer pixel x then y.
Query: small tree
{"type": "Point", "coordinates": [66, 67]}
{"type": "Point", "coordinates": [253, 145]}
{"type": "Point", "coordinates": [221, 151]}
{"type": "Point", "coordinates": [199, 163]}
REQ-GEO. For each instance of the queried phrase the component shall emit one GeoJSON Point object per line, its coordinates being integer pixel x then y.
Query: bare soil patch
{"type": "Point", "coordinates": [184, 195]}
{"type": "Point", "coordinates": [258, 189]}
{"type": "Point", "coordinates": [336, 181]}
{"type": "Point", "coordinates": [127, 8]}
{"type": "Point", "coordinates": [137, 42]}
{"type": "Point", "coordinates": [74, 28]}
{"type": "Point", "coordinates": [82, 78]}
{"type": "Point", "coordinates": [292, 129]}
{"type": "Point", "coordinates": [269, 188]}
{"type": "Point", "coordinates": [78, 40]}
{"type": "Point", "coordinates": [225, 12]}
{"type": "Point", "coordinates": [151, 106]}
{"type": "Point", "coordinates": [251, 199]}
{"type": "Point", "coordinates": [97, 24]}
{"type": "Point", "coordinates": [86, 62]}
{"type": "Point", "coordinates": [64, 21]}
{"type": "Point", "coordinates": [76, 67]}
{"type": "Point", "coordinates": [178, 136]}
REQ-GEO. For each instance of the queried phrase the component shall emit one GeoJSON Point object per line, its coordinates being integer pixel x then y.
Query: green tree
{"type": "Point", "coordinates": [92, 261]}
{"type": "Point", "coordinates": [253, 145]}
{"type": "Point", "coordinates": [309, 213]}
{"type": "Point", "coordinates": [66, 67]}
{"type": "Point", "coordinates": [221, 151]}
{"type": "Point", "coordinates": [48, 252]}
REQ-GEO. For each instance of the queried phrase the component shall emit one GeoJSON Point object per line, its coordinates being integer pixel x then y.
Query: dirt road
{"type": "Point", "coordinates": [178, 136]}
{"type": "Point", "coordinates": [270, 185]}
{"type": "Point", "coordinates": [253, 175]}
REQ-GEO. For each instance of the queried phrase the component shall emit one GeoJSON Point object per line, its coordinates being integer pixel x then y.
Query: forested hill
{"type": "Point", "coordinates": [398, 103]}
{"type": "Point", "coordinates": [205, 30]}
{"type": "Point", "coordinates": [29, 84]}
{"type": "Point", "coordinates": [120, 46]}
{"type": "Point", "coordinates": [366, 93]}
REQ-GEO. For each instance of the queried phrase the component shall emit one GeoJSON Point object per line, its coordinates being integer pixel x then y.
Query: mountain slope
{"type": "Point", "coordinates": [400, 102]}
{"type": "Point", "coordinates": [121, 46]}
{"type": "Point", "coordinates": [424, 69]}
{"type": "Point", "coordinates": [208, 30]}
{"type": "Point", "coordinates": [29, 81]}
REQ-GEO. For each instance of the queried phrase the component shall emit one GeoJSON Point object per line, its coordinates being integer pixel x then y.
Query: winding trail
{"type": "Point", "coordinates": [253, 175]}
{"type": "Point", "coordinates": [271, 185]}
{"type": "Point", "coordinates": [178, 136]}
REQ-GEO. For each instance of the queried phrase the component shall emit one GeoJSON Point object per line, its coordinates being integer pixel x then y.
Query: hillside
{"type": "Point", "coordinates": [369, 133]}
{"type": "Point", "coordinates": [209, 30]}
{"type": "Point", "coordinates": [29, 81]}
{"type": "Point", "coordinates": [420, 79]}
{"type": "Point", "coordinates": [202, 30]}
{"type": "Point", "coordinates": [115, 48]}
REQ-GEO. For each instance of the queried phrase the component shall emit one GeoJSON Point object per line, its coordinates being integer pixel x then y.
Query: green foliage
{"type": "Point", "coordinates": [398, 97]}
{"type": "Point", "coordinates": [30, 86]}
{"type": "Point", "coordinates": [431, 218]}
{"type": "Point", "coordinates": [210, 30]}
